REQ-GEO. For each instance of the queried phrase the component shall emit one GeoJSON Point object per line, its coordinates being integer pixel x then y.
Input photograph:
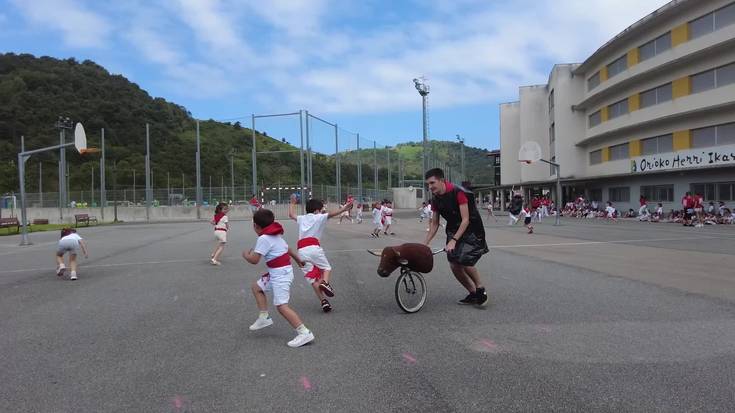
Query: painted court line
{"type": "Point", "coordinates": [122, 264]}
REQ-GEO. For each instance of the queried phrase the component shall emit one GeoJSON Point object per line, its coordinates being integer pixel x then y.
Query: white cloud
{"type": "Point", "coordinates": [79, 26]}
{"type": "Point", "coordinates": [470, 58]}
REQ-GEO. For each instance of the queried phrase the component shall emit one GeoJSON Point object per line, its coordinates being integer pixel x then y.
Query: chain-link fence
{"type": "Point", "coordinates": [297, 152]}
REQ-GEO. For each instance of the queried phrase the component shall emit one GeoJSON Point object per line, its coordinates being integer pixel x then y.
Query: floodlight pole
{"type": "Point", "coordinates": [199, 176]}
{"type": "Point", "coordinates": [338, 177]}
{"type": "Point", "coordinates": [147, 173]}
{"type": "Point", "coordinates": [462, 173]}
{"type": "Point", "coordinates": [359, 171]}
{"type": "Point", "coordinates": [103, 190]}
{"type": "Point", "coordinates": [254, 160]}
{"type": "Point", "coordinates": [423, 90]}
{"type": "Point", "coordinates": [302, 189]}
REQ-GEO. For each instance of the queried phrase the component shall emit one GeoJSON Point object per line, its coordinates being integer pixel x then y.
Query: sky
{"type": "Point", "coordinates": [348, 62]}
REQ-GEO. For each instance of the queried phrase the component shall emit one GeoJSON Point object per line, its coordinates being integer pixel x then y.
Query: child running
{"type": "Point", "coordinates": [526, 214]}
{"type": "Point", "coordinates": [277, 254]}
{"type": "Point", "coordinates": [317, 270]}
{"type": "Point", "coordinates": [387, 211]}
{"type": "Point", "coordinates": [377, 220]}
{"type": "Point", "coordinates": [70, 242]}
{"type": "Point", "coordinates": [221, 226]}
{"type": "Point", "coordinates": [359, 213]}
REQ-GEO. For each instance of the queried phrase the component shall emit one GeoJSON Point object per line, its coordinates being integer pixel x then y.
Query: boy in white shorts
{"type": "Point", "coordinates": [70, 242]}
{"type": "Point", "coordinates": [317, 270]}
{"type": "Point", "coordinates": [387, 211]}
{"type": "Point", "coordinates": [278, 279]}
{"type": "Point", "coordinates": [377, 220]}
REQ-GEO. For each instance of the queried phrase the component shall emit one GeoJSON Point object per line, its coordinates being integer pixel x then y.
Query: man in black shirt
{"type": "Point", "coordinates": [465, 232]}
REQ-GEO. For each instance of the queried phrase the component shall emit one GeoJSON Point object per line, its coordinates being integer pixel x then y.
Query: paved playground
{"type": "Point", "coordinates": [588, 316]}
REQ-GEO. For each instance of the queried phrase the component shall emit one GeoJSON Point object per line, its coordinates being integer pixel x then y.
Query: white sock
{"type": "Point", "coordinates": [302, 329]}
{"type": "Point", "coordinates": [73, 273]}
{"type": "Point", "coordinates": [263, 314]}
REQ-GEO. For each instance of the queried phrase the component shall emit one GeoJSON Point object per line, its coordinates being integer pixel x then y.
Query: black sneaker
{"type": "Point", "coordinates": [326, 288]}
{"type": "Point", "coordinates": [481, 296]}
{"type": "Point", "coordinates": [326, 307]}
{"type": "Point", "coordinates": [470, 299]}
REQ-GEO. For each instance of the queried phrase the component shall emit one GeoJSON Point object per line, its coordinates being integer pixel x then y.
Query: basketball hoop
{"type": "Point", "coordinates": [530, 152]}
{"type": "Point", "coordinates": [80, 141]}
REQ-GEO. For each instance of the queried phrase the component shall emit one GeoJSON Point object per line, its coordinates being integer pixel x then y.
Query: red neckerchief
{"type": "Point", "coordinates": [217, 217]}
{"type": "Point", "coordinates": [273, 229]}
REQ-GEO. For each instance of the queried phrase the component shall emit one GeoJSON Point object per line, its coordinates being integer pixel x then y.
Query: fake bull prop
{"type": "Point", "coordinates": [417, 257]}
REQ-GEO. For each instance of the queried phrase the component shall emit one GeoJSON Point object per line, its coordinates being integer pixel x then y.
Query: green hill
{"type": "Point", "coordinates": [35, 91]}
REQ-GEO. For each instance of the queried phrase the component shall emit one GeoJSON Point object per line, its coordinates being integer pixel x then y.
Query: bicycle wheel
{"type": "Point", "coordinates": [410, 291]}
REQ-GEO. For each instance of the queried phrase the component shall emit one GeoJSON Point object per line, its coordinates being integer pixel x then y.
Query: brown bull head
{"type": "Point", "coordinates": [417, 257]}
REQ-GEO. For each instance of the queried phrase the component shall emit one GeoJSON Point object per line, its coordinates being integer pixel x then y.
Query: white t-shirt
{"type": "Point", "coordinates": [377, 215]}
{"type": "Point", "coordinates": [73, 237]}
{"type": "Point", "coordinates": [610, 211]}
{"type": "Point", "coordinates": [312, 225]}
{"type": "Point", "coordinates": [525, 213]}
{"type": "Point", "coordinates": [222, 224]}
{"type": "Point", "coordinates": [427, 210]}
{"type": "Point", "coordinates": [270, 246]}
{"type": "Point", "coordinates": [388, 212]}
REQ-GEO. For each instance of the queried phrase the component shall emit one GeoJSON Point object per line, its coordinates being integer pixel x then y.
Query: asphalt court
{"type": "Point", "coordinates": [587, 316]}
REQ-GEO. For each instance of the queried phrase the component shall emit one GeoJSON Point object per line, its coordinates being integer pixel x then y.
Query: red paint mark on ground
{"type": "Point", "coordinates": [178, 402]}
{"type": "Point", "coordinates": [409, 358]}
{"type": "Point", "coordinates": [306, 383]}
{"type": "Point", "coordinates": [489, 344]}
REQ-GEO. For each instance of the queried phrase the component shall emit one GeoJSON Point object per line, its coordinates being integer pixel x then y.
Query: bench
{"type": "Point", "coordinates": [9, 223]}
{"type": "Point", "coordinates": [84, 218]}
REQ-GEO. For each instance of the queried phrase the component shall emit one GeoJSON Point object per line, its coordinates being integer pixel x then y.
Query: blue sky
{"type": "Point", "coordinates": [348, 62]}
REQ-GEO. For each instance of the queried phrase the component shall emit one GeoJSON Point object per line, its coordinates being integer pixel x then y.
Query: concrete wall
{"type": "Point", "coordinates": [510, 143]}
{"type": "Point", "coordinates": [405, 198]}
{"type": "Point", "coordinates": [534, 127]}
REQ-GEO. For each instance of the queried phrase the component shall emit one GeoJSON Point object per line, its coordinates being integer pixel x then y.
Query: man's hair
{"type": "Point", "coordinates": [263, 217]}
{"type": "Point", "coordinates": [314, 205]}
{"type": "Point", "coordinates": [434, 173]}
{"type": "Point", "coordinates": [67, 231]}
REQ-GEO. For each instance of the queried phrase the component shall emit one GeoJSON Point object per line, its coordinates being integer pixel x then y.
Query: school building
{"type": "Point", "coordinates": [651, 112]}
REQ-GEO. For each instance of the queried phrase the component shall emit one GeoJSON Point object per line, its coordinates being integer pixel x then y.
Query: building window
{"type": "Point", "coordinates": [703, 81]}
{"type": "Point", "coordinates": [712, 21]}
{"type": "Point", "coordinates": [596, 194]}
{"type": "Point", "coordinates": [655, 96]}
{"type": "Point", "coordinates": [551, 101]}
{"type": "Point", "coordinates": [725, 75]}
{"type": "Point", "coordinates": [724, 16]}
{"type": "Point", "coordinates": [596, 157]}
{"type": "Point", "coordinates": [714, 136]}
{"type": "Point", "coordinates": [618, 108]}
{"type": "Point", "coordinates": [595, 119]}
{"type": "Point", "coordinates": [617, 66]}
{"type": "Point", "coordinates": [619, 152]}
{"type": "Point", "coordinates": [593, 81]}
{"type": "Point", "coordinates": [702, 25]}
{"type": "Point", "coordinates": [725, 191]}
{"type": "Point", "coordinates": [654, 47]}
{"type": "Point", "coordinates": [658, 144]}
{"type": "Point", "coordinates": [706, 190]}
{"type": "Point", "coordinates": [619, 194]}
{"type": "Point", "coordinates": [658, 193]}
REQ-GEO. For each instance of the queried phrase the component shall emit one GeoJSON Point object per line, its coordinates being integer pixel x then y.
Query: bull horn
{"type": "Point", "coordinates": [398, 253]}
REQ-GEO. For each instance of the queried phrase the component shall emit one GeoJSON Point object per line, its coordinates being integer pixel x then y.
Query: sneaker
{"type": "Point", "coordinates": [326, 289]}
{"type": "Point", "coordinates": [60, 270]}
{"type": "Point", "coordinates": [73, 276]}
{"type": "Point", "coordinates": [214, 262]}
{"type": "Point", "coordinates": [481, 297]}
{"type": "Point", "coordinates": [326, 307]}
{"type": "Point", "coordinates": [470, 299]}
{"type": "Point", "coordinates": [261, 323]}
{"type": "Point", "coordinates": [301, 339]}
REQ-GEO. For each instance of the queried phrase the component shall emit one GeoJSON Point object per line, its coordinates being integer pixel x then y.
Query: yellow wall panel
{"type": "Point", "coordinates": [633, 57]}
{"type": "Point", "coordinates": [603, 74]}
{"type": "Point", "coordinates": [635, 148]}
{"type": "Point", "coordinates": [680, 34]}
{"type": "Point", "coordinates": [605, 154]}
{"type": "Point", "coordinates": [682, 140]}
{"type": "Point", "coordinates": [681, 87]}
{"type": "Point", "coordinates": [634, 102]}
{"type": "Point", "coordinates": [604, 116]}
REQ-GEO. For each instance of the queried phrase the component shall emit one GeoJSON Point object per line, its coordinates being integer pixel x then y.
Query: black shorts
{"type": "Point", "coordinates": [527, 221]}
{"type": "Point", "coordinates": [467, 250]}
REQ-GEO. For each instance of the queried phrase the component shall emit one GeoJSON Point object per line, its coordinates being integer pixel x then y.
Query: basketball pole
{"type": "Point", "coordinates": [557, 199]}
